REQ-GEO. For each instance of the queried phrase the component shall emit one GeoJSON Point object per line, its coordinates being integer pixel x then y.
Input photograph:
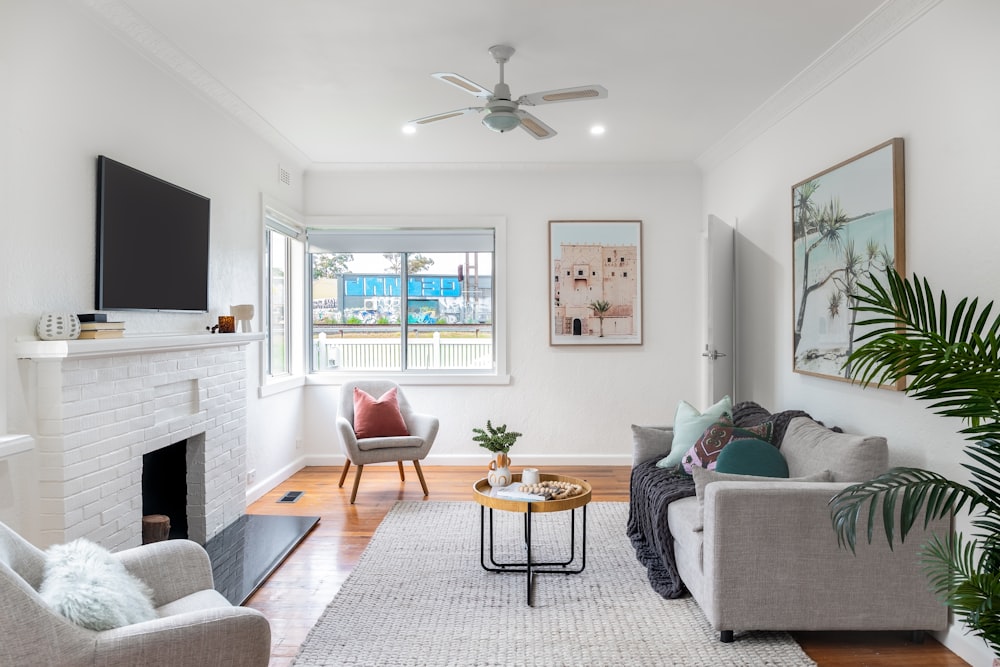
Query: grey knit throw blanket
{"type": "Point", "coordinates": [652, 489]}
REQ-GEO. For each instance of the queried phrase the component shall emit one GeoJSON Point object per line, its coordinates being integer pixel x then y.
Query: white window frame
{"type": "Point", "coordinates": [499, 374]}
{"type": "Point", "coordinates": [278, 219]}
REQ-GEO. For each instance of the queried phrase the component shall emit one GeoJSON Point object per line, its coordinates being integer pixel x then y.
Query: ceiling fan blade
{"type": "Point", "coordinates": [564, 95]}
{"type": "Point", "coordinates": [443, 116]}
{"type": "Point", "coordinates": [460, 81]}
{"type": "Point", "coordinates": [534, 127]}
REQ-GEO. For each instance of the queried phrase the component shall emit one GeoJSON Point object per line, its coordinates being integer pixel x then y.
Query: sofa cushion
{"type": "Point", "coordinates": [703, 477]}
{"type": "Point", "coordinates": [705, 452]}
{"type": "Point", "coordinates": [650, 441]}
{"type": "Point", "coordinates": [809, 447]}
{"type": "Point", "coordinates": [689, 424]}
{"type": "Point", "coordinates": [752, 457]}
{"type": "Point", "coordinates": [377, 418]}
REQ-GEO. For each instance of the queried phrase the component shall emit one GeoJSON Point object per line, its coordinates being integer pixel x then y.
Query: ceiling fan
{"type": "Point", "coordinates": [504, 113]}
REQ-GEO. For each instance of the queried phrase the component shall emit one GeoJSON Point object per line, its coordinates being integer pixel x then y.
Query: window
{"type": "Point", "coordinates": [283, 260]}
{"type": "Point", "coordinates": [418, 300]}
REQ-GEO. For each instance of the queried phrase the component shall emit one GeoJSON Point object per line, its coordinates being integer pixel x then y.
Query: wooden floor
{"type": "Point", "coordinates": [298, 592]}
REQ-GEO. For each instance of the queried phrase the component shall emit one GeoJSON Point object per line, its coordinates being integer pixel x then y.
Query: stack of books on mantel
{"type": "Point", "coordinates": [96, 325]}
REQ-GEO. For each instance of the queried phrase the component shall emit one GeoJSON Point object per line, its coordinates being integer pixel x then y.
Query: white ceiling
{"type": "Point", "coordinates": [337, 79]}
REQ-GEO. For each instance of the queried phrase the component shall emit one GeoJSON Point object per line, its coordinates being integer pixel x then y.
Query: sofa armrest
{"type": "Point", "coordinates": [650, 442]}
{"type": "Point", "coordinates": [775, 542]}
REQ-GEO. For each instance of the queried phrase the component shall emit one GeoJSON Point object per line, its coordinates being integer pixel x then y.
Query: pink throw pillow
{"type": "Point", "coordinates": [377, 418]}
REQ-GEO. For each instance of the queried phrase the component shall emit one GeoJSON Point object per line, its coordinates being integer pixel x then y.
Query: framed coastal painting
{"type": "Point", "coordinates": [847, 226]}
{"type": "Point", "coordinates": [595, 282]}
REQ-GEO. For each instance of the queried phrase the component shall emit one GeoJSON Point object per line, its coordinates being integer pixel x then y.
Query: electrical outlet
{"type": "Point", "coordinates": [298, 443]}
{"type": "Point", "coordinates": [251, 476]}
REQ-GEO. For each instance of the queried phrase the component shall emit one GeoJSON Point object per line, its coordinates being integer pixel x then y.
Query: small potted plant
{"type": "Point", "coordinates": [499, 441]}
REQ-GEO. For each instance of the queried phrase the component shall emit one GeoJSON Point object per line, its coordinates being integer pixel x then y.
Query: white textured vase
{"type": "Point", "coordinates": [499, 474]}
{"type": "Point", "coordinates": [58, 326]}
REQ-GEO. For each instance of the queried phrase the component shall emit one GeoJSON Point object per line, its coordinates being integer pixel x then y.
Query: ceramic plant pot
{"type": "Point", "coordinates": [58, 326]}
{"type": "Point", "coordinates": [499, 473]}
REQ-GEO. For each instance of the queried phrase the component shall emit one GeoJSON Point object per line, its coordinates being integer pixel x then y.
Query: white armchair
{"type": "Point", "coordinates": [195, 626]}
{"type": "Point", "coordinates": [414, 447]}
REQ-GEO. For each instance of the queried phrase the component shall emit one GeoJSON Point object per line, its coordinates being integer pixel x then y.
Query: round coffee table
{"type": "Point", "coordinates": [482, 493]}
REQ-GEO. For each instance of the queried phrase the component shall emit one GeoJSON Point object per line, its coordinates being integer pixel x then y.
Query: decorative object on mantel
{"type": "Point", "coordinates": [58, 326]}
{"type": "Point", "coordinates": [499, 441]}
{"type": "Point", "coordinates": [102, 329]}
{"type": "Point", "coordinates": [227, 324]}
{"type": "Point", "coordinates": [244, 315]}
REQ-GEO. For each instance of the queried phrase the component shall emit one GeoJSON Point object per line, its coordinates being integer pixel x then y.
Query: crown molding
{"type": "Point", "coordinates": [888, 20]}
{"type": "Point", "coordinates": [136, 32]}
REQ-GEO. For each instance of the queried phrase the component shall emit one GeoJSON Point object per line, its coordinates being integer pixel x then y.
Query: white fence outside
{"type": "Point", "coordinates": [375, 354]}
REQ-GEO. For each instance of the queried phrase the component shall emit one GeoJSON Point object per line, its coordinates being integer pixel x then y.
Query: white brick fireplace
{"type": "Point", "coordinates": [100, 405]}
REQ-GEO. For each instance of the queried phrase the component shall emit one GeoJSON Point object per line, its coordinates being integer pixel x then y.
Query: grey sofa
{"type": "Point", "coordinates": [764, 555]}
{"type": "Point", "coordinates": [196, 626]}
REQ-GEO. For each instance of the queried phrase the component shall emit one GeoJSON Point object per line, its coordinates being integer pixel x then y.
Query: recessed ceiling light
{"type": "Point", "coordinates": [597, 130]}
{"type": "Point", "coordinates": [409, 128]}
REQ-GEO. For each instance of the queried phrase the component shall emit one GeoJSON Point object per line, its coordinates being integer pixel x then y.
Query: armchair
{"type": "Point", "coordinates": [195, 626]}
{"type": "Point", "coordinates": [413, 447]}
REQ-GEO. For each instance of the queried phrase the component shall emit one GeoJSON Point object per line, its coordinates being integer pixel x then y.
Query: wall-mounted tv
{"type": "Point", "coordinates": [152, 242]}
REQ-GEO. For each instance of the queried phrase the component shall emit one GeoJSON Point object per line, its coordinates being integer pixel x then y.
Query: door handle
{"type": "Point", "coordinates": [713, 355]}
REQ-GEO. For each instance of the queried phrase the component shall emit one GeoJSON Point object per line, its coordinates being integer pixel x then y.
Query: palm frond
{"type": "Point", "coordinates": [956, 574]}
{"type": "Point", "coordinates": [915, 491]}
{"type": "Point", "coordinates": [952, 359]}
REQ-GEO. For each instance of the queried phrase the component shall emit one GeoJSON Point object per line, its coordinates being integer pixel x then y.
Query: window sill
{"type": "Point", "coordinates": [408, 379]}
{"type": "Point", "coordinates": [278, 386]}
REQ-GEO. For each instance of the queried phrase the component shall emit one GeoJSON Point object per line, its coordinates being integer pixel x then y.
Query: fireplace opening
{"type": "Point", "coordinates": [164, 486]}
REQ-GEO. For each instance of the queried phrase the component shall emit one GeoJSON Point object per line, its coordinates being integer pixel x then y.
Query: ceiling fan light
{"type": "Point", "coordinates": [501, 121]}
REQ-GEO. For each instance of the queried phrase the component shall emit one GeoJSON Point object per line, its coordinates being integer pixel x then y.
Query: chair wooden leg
{"type": "Point", "coordinates": [343, 475]}
{"type": "Point", "coordinates": [420, 474]}
{"type": "Point", "coordinates": [357, 480]}
{"type": "Point", "coordinates": [402, 477]}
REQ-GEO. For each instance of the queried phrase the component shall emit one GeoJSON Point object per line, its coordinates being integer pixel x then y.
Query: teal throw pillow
{"type": "Point", "coordinates": [689, 424]}
{"type": "Point", "coordinates": [752, 457]}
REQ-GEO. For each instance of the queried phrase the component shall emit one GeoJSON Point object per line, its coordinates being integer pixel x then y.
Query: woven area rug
{"type": "Point", "coordinates": [419, 596]}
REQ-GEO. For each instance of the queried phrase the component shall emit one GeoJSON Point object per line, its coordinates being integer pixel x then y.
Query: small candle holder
{"type": "Point", "coordinates": [227, 324]}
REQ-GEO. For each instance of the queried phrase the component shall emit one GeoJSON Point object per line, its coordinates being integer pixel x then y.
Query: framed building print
{"type": "Point", "coordinates": [847, 226]}
{"type": "Point", "coordinates": [595, 282]}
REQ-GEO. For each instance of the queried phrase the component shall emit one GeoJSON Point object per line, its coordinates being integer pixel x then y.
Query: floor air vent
{"type": "Point", "coordinates": [291, 496]}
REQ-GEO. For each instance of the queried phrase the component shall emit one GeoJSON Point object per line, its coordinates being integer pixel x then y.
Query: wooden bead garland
{"type": "Point", "coordinates": [553, 490]}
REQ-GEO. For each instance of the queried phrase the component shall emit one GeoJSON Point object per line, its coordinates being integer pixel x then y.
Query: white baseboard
{"type": "Point", "coordinates": [255, 492]}
{"type": "Point", "coordinates": [968, 647]}
{"type": "Point", "coordinates": [517, 462]}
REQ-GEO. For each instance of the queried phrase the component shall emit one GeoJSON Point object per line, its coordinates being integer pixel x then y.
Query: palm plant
{"type": "Point", "coordinates": [600, 309]}
{"type": "Point", "coordinates": [952, 360]}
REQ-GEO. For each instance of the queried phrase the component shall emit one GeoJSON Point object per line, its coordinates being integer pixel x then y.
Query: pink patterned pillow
{"type": "Point", "coordinates": [705, 452]}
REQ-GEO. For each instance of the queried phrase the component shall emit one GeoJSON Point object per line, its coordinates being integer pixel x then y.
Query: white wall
{"type": "Point", "coordinates": [72, 89]}
{"type": "Point", "coordinates": [934, 85]}
{"type": "Point", "coordinates": [572, 404]}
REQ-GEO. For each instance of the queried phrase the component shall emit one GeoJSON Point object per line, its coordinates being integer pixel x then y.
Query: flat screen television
{"type": "Point", "coordinates": [152, 242]}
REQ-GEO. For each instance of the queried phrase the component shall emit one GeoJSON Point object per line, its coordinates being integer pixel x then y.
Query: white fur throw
{"type": "Point", "coordinates": [85, 583]}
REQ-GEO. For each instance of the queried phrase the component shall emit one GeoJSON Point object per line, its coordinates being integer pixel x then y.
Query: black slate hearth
{"type": "Point", "coordinates": [247, 551]}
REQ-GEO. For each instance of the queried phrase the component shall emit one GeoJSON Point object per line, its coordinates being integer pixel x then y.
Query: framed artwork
{"type": "Point", "coordinates": [847, 226]}
{"type": "Point", "coordinates": [595, 282]}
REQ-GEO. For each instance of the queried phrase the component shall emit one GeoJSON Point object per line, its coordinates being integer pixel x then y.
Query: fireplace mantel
{"type": "Point", "coordinates": [95, 408]}
{"type": "Point", "coordinates": [80, 349]}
